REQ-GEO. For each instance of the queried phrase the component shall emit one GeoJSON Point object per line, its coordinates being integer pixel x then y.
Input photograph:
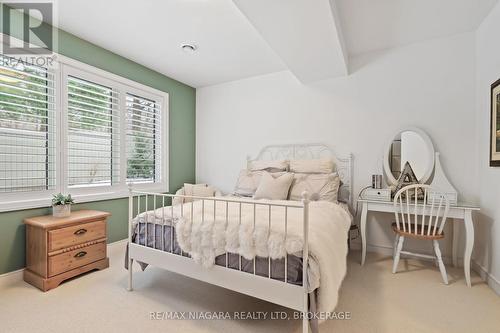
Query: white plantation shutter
{"type": "Point", "coordinates": [143, 132]}
{"type": "Point", "coordinates": [27, 127]}
{"type": "Point", "coordinates": [93, 134]}
{"type": "Point", "coordinates": [72, 128]}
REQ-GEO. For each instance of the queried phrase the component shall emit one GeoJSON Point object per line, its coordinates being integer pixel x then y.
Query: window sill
{"type": "Point", "coordinates": [46, 201]}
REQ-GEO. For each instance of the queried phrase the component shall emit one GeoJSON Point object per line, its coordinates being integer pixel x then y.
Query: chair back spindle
{"type": "Point", "coordinates": [413, 201]}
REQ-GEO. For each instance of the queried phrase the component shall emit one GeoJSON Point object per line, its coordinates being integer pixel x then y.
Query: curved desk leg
{"type": "Point", "coordinates": [469, 244]}
{"type": "Point", "coordinates": [456, 238]}
{"type": "Point", "coordinates": [363, 232]}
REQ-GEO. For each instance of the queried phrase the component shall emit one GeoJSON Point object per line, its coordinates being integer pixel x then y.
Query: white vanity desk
{"type": "Point", "coordinates": [415, 146]}
{"type": "Point", "coordinates": [460, 213]}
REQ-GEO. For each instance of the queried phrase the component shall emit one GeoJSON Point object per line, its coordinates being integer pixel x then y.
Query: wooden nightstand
{"type": "Point", "coordinates": [59, 248]}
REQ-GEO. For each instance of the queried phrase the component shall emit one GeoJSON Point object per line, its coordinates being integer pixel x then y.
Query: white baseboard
{"type": "Point", "coordinates": [492, 282]}
{"type": "Point", "coordinates": [10, 278]}
{"type": "Point", "coordinates": [387, 251]}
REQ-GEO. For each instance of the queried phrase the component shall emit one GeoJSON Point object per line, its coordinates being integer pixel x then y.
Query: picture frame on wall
{"type": "Point", "coordinates": [495, 125]}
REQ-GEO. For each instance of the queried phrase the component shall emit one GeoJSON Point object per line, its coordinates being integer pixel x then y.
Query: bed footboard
{"type": "Point", "coordinates": [234, 278]}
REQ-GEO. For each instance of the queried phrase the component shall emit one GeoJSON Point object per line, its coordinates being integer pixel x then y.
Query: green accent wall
{"type": "Point", "coordinates": [182, 100]}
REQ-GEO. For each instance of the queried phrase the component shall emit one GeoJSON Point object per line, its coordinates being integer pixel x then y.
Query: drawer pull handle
{"type": "Point", "coordinates": [80, 254]}
{"type": "Point", "coordinates": [80, 232]}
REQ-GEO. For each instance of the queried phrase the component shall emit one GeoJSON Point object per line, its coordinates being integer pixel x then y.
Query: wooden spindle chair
{"type": "Point", "coordinates": [420, 219]}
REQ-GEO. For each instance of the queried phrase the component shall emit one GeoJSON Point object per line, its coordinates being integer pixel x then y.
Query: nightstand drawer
{"type": "Point", "coordinates": [67, 261]}
{"type": "Point", "coordinates": [77, 234]}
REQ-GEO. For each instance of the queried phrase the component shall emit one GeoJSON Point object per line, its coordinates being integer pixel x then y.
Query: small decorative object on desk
{"type": "Point", "coordinates": [408, 178]}
{"type": "Point", "coordinates": [61, 205]}
{"type": "Point", "coordinates": [377, 181]}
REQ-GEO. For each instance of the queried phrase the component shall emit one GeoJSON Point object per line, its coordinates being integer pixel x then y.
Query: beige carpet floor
{"type": "Point", "coordinates": [413, 300]}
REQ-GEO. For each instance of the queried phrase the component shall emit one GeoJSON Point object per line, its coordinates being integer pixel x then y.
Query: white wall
{"type": "Point", "coordinates": [487, 246]}
{"type": "Point", "coordinates": [429, 85]}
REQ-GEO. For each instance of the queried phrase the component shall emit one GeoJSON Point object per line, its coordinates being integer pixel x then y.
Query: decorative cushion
{"type": "Point", "coordinates": [201, 191]}
{"type": "Point", "coordinates": [248, 181]}
{"type": "Point", "coordinates": [188, 188]}
{"type": "Point", "coordinates": [274, 188]}
{"type": "Point", "coordinates": [269, 166]}
{"type": "Point", "coordinates": [178, 200]}
{"type": "Point", "coordinates": [321, 187]}
{"type": "Point", "coordinates": [197, 190]}
{"type": "Point", "coordinates": [322, 165]}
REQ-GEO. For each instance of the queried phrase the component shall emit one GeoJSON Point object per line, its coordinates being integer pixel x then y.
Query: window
{"type": "Point", "coordinates": [93, 134]}
{"type": "Point", "coordinates": [77, 129]}
{"type": "Point", "coordinates": [115, 134]}
{"type": "Point", "coordinates": [27, 128]}
{"type": "Point", "coordinates": [143, 139]}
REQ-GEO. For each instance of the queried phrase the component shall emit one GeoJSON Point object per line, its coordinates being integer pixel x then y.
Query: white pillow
{"type": "Point", "coordinates": [322, 165]}
{"type": "Point", "coordinates": [321, 187]}
{"type": "Point", "coordinates": [270, 166]}
{"type": "Point", "coordinates": [188, 188]}
{"type": "Point", "coordinates": [197, 190]}
{"type": "Point", "coordinates": [178, 200]}
{"type": "Point", "coordinates": [203, 191]}
{"type": "Point", "coordinates": [248, 181]}
{"type": "Point", "coordinates": [274, 188]}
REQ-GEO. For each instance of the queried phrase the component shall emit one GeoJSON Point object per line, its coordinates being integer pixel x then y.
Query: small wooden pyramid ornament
{"type": "Point", "coordinates": [408, 178]}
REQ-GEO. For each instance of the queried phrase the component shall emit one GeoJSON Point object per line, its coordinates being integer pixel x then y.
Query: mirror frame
{"type": "Point", "coordinates": [391, 180]}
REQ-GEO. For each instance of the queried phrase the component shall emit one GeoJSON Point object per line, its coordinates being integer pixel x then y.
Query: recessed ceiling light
{"type": "Point", "coordinates": [188, 48]}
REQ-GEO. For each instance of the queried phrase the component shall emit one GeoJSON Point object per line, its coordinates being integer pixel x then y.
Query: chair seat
{"type": "Point", "coordinates": [419, 232]}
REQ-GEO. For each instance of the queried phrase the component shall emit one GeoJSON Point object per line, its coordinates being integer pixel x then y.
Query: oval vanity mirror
{"type": "Point", "coordinates": [410, 145]}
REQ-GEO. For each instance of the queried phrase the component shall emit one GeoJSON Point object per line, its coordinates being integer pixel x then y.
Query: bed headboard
{"type": "Point", "coordinates": [343, 162]}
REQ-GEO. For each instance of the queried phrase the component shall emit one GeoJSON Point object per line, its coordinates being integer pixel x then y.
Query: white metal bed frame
{"type": "Point", "coordinates": [265, 288]}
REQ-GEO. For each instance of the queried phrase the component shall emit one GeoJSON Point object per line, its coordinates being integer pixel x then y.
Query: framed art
{"type": "Point", "coordinates": [495, 125]}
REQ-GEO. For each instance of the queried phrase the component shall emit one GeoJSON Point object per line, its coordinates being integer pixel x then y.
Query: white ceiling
{"type": "Point", "coordinates": [230, 47]}
{"type": "Point", "coordinates": [370, 25]}
{"type": "Point", "coordinates": [303, 33]}
{"type": "Point", "coordinates": [151, 32]}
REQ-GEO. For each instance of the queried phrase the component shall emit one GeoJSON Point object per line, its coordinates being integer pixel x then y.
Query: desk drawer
{"type": "Point", "coordinates": [77, 234]}
{"type": "Point", "coordinates": [381, 194]}
{"type": "Point", "coordinates": [67, 261]}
